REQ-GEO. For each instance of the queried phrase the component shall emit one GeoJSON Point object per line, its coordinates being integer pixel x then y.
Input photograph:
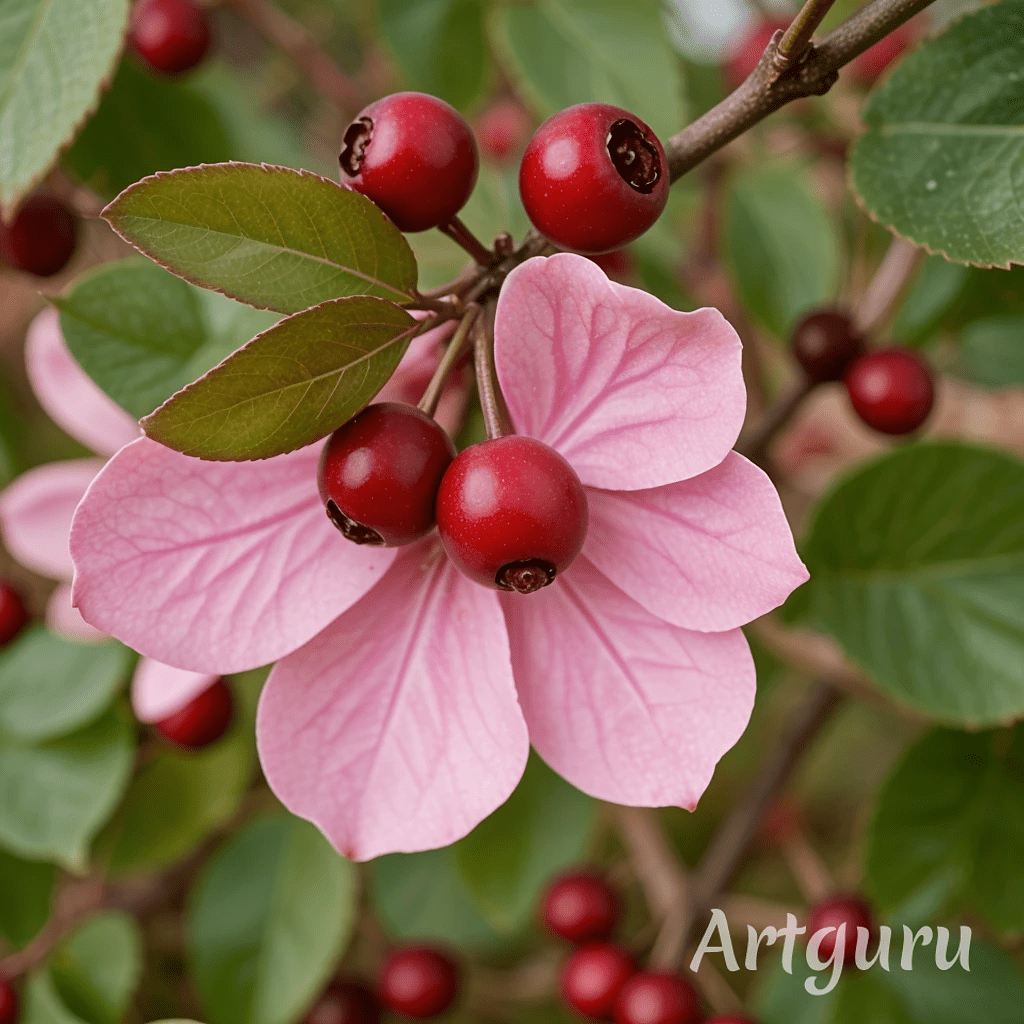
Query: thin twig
{"type": "Point", "coordinates": [795, 39]}
{"type": "Point", "coordinates": [466, 278]}
{"type": "Point", "coordinates": [461, 235]}
{"type": "Point", "coordinates": [893, 275]}
{"type": "Point", "coordinates": [486, 385]}
{"type": "Point", "coordinates": [432, 395]}
{"type": "Point", "coordinates": [755, 447]}
{"type": "Point", "coordinates": [656, 866]}
{"type": "Point", "coordinates": [809, 871]}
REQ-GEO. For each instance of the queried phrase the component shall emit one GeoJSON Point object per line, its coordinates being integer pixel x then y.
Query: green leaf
{"type": "Point", "coordinates": [947, 829]}
{"type": "Point", "coordinates": [54, 54]}
{"type": "Point", "coordinates": [992, 351]}
{"type": "Point", "coordinates": [917, 569]}
{"type": "Point", "coordinates": [25, 890]}
{"type": "Point", "coordinates": [289, 386]}
{"type": "Point", "coordinates": [935, 290]}
{"type": "Point", "coordinates": [562, 52]}
{"type": "Point", "coordinates": [270, 236]}
{"type": "Point", "coordinates": [43, 1004]}
{"type": "Point", "coordinates": [439, 45]}
{"type": "Point", "coordinates": [57, 794]}
{"type": "Point", "coordinates": [271, 914]}
{"type": "Point", "coordinates": [782, 998]}
{"type": "Point", "coordinates": [864, 997]}
{"type": "Point", "coordinates": [781, 247]}
{"type": "Point", "coordinates": [50, 685]}
{"type": "Point", "coordinates": [943, 157]}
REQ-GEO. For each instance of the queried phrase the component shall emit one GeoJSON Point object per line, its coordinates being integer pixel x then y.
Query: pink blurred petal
{"type": "Point", "coordinates": [158, 690]}
{"type": "Point", "coordinates": [213, 566]}
{"type": "Point", "coordinates": [68, 394]}
{"type": "Point", "coordinates": [634, 394]}
{"type": "Point", "coordinates": [624, 705]}
{"type": "Point", "coordinates": [36, 511]}
{"type": "Point", "coordinates": [397, 728]}
{"type": "Point", "coordinates": [62, 618]}
{"type": "Point", "coordinates": [710, 553]}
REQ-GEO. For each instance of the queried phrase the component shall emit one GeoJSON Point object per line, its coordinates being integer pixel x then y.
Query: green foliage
{"type": "Point", "coordinates": [941, 161]}
{"type": "Point", "coordinates": [291, 385]}
{"type": "Point", "coordinates": [935, 290]}
{"type": "Point", "coordinates": [992, 351]}
{"type": "Point", "coordinates": [25, 890]}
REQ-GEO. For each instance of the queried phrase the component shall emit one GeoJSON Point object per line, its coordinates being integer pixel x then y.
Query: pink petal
{"type": "Point", "coordinates": [158, 690]}
{"type": "Point", "coordinates": [710, 553]}
{"type": "Point", "coordinates": [68, 394]}
{"type": "Point", "coordinates": [36, 511]}
{"type": "Point", "coordinates": [624, 705]}
{"type": "Point", "coordinates": [634, 394]}
{"type": "Point", "coordinates": [397, 728]}
{"type": "Point", "coordinates": [213, 566]}
{"type": "Point", "coordinates": [62, 618]}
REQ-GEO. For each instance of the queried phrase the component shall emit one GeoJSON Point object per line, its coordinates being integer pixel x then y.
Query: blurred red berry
{"type": "Point", "coordinates": [581, 906]}
{"type": "Point", "coordinates": [654, 998]}
{"type": "Point", "coordinates": [502, 130]}
{"type": "Point", "coordinates": [825, 342]}
{"type": "Point", "coordinates": [833, 912]}
{"type": "Point", "coordinates": [592, 977]}
{"type": "Point", "coordinates": [781, 821]}
{"type": "Point", "coordinates": [730, 1018]}
{"type": "Point", "coordinates": [891, 390]}
{"type": "Point", "coordinates": [171, 36]}
{"type": "Point", "coordinates": [202, 721]}
{"type": "Point", "coordinates": [8, 1003]}
{"type": "Point", "coordinates": [418, 981]}
{"type": "Point", "coordinates": [41, 238]}
{"type": "Point", "coordinates": [741, 58]}
{"type": "Point", "coordinates": [346, 1002]}
{"type": "Point", "coordinates": [13, 616]}
{"type": "Point", "coordinates": [871, 63]}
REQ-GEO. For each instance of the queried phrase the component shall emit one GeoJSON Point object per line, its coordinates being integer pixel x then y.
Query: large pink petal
{"type": "Point", "coordinates": [36, 511]}
{"type": "Point", "coordinates": [710, 553]}
{"type": "Point", "coordinates": [158, 690]}
{"type": "Point", "coordinates": [397, 728]}
{"type": "Point", "coordinates": [634, 394]}
{"type": "Point", "coordinates": [213, 566]}
{"type": "Point", "coordinates": [66, 620]}
{"type": "Point", "coordinates": [69, 395]}
{"type": "Point", "coordinates": [624, 705]}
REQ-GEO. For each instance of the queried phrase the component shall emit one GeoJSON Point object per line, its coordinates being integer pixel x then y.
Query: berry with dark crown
{"type": "Point", "coordinates": [592, 977]}
{"type": "Point", "coordinates": [202, 721]}
{"type": "Point", "coordinates": [580, 906]}
{"type": "Point", "coordinates": [418, 981]}
{"type": "Point", "coordinates": [42, 237]}
{"type": "Point", "coordinates": [171, 36]}
{"type": "Point", "coordinates": [891, 390]}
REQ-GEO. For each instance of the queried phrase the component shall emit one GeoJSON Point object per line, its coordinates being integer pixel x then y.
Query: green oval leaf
{"type": "Point", "coordinates": [43, 1004]}
{"type": "Point", "coordinates": [992, 351]}
{"type": "Point", "coordinates": [289, 386]}
{"type": "Point", "coordinates": [269, 236]}
{"type": "Point", "coordinates": [25, 890]}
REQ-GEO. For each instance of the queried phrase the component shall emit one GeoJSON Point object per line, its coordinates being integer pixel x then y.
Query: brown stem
{"type": "Point", "coordinates": [486, 385]}
{"type": "Point", "coordinates": [428, 403]}
{"type": "Point", "coordinates": [756, 446]}
{"type": "Point", "coordinates": [461, 235]}
{"type": "Point", "coordinates": [457, 285]}
{"type": "Point", "coordinates": [893, 275]}
{"type": "Point", "coordinates": [795, 39]}
{"type": "Point", "coordinates": [656, 866]}
{"type": "Point", "coordinates": [809, 871]}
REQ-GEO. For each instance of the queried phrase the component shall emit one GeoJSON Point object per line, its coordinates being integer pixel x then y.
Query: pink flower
{"type": "Point", "coordinates": [405, 697]}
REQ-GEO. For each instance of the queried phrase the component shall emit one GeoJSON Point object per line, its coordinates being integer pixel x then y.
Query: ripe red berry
{"type": "Point", "coordinates": [581, 906]}
{"type": "Point", "coordinates": [202, 721]}
{"type": "Point", "coordinates": [833, 912]}
{"type": "Point", "coordinates": [655, 998]}
{"type": "Point", "coordinates": [512, 513]}
{"type": "Point", "coordinates": [872, 62]}
{"type": "Point", "coordinates": [593, 178]}
{"type": "Point", "coordinates": [418, 981]}
{"type": "Point", "coordinates": [346, 1002]}
{"type": "Point", "coordinates": [502, 130]}
{"type": "Point", "coordinates": [743, 55]}
{"type": "Point", "coordinates": [825, 342]}
{"type": "Point", "coordinates": [891, 390]}
{"type": "Point", "coordinates": [592, 977]}
{"type": "Point", "coordinates": [8, 1003]}
{"type": "Point", "coordinates": [413, 155]}
{"type": "Point", "coordinates": [13, 616]}
{"type": "Point", "coordinates": [380, 472]}
{"type": "Point", "coordinates": [171, 36]}
{"type": "Point", "coordinates": [41, 238]}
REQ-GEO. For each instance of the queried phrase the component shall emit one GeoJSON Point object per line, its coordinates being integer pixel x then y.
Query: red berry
{"type": "Point", "coordinates": [171, 36]}
{"type": "Point", "coordinates": [418, 981]}
{"type": "Point", "coordinates": [592, 977]}
{"type": "Point", "coordinates": [593, 178]}
{"type": "Point", "coordinates": [8, 1003]}
{"type": "Point", "coordinates": [654, 998]}
{"type": "Point", "coordinates": [891, 390]}
{"type": "Point", "coordinates": [512, 513]}
{"type": "Point", "coordinates": [346, 1002]}
{"type": "Point", "coordinates": [202, 721]}
{"type": "Point", "coordinates": [502, 130]}
{"type": "Point", "coordinates": [743, 56]}
{"type": "Point", "coordinates": [413, 155]}
{"type": "Point", "coordinates": [833, 912]}
{"type": "Point", "coordinates": [41, 238]}
{"type": "Point", "coordinates": [872, 62]}
{"type": "Point", "coordinates": [731, 1018]}
{"type": "Point", "coordinates": [379, 474]}
{"type": "Point", "coordinates": [582, 907]}
{"type": "Point", "coordinates": [825, 342]}
{"type": "Point", "coordinates": [13, 616]}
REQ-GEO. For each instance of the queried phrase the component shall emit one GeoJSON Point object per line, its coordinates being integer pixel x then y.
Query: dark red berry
{"type": "Point", "coordinates": [202, 721]}
{"type": "Point", "coordinates": [41, 238]}
{"type": "Point", "coordinates": [593, 178]}
{"type": "Point", "coordinates": [833, 912]}
{"type": "Point", "coordinates": [171, 36]}
{"type": "Point", "coordinates": [581, 907]}
{"type": "Point", "coordinates": [418, 981]}
{"type": "Point", "coordinates": [655, 998]}
{"type": "Point", "coordinates": [730, 1018]}
{"type": "Point", "coordinates": [592, 977]}
{"type": "Point", "coordinates": [13, 616]}
{"type": "Point", "coordinates": [891, 390]}
{"type": "Point", "coordinates": [346, 1002]}
{"type": "Point", "coordinates": [512, 513]}
{"type": "Point", "coordinates": [825, 342]}
{"type": "Point", "coordinates": [742, 57]}
{"type": "Point", "coordinates": [380, 472]}
{"type": "Point", "coordinates": [413, 155]}
{"type": "Point", "coordinates": [502, 130]}
{"type": "Point", "coordinates": [872, 62]}
{"type": "Point", "coordinates": [8, 1003]}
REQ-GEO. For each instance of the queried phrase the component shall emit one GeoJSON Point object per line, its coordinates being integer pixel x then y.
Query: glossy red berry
{"type": "Point", "coordinates": [512, 513]}
{"type": "Point", "coordinates": [655, 998]}
{"type": "Point", "coordinates": [581, 906]}
{"type": "Point", "coordinates": [346, 1002]}
{"type": "Point", "coordinates": [171, 36]}
{"type": "Point", "coordinates": [592, 978]}
{"type": "Point", "coordinates": [833, 912]}
{"type": "Point", "coordinates": [872, 62]}
{"type": "Point", "coordinates": [413, 155]}
{"type": "Point", "coordinates": [418, 981]}
{"type": "Point", "coordinates": [593, 178]}
{"type": "Point", "coordinates": [380, 472]}
{"type": "Point", "coordinates": [825, 342]}
{"type": "Point", "coordinates": [502, 130]}
{"type": "Point", "coordinates": [742, 57]}
{"type": "Point", "coordinates": [8, 1003]}
{"type": "Point", "coordinates": [41, 238]}
{"type": "Point", "coordinates": [13, 616]}
{"type": "Point", "coordinates": [202, 721]}
{"type": "Point", "coordinates": [891, 390]}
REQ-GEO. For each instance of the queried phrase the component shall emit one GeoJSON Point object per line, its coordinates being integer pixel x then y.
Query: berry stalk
{"type": "Point", "coordinates": [432, 395]}
{"type": "Point", "coordinates": [486, 384]}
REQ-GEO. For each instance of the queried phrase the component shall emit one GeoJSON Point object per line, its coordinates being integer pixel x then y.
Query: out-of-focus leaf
{"type": "Point", "coordinates": [25, 890]}
{"type": "Point", "coordinates": [992, 351]}
{"type": "Point", "coordinates": [43, 1004]}
{"type": "Point", "coordinates": [936, 287]}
